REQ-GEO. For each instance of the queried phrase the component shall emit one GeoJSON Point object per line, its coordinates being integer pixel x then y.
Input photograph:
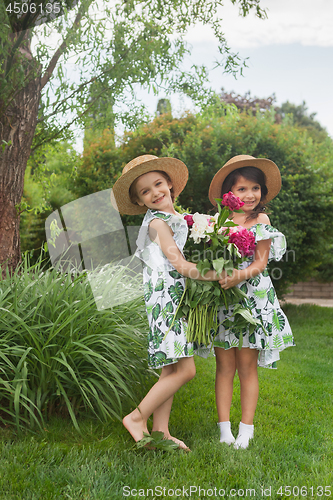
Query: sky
{"type": "Point", "coordinates": [290, 54]}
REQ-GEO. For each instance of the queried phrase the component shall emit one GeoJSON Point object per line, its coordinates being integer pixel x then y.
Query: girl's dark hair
{"type": "Point", "coordinates": [132, 191]}
{"type": "Point", "coordinates": [252, 174]}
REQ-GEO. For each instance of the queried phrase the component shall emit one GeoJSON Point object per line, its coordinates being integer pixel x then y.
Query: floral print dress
{"type": "Point", "coordinates": [264, 305]}
{"type": "Point", "coordinates": [163, 289]}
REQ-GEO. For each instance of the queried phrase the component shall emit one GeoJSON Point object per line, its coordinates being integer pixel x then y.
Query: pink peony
{"type": "Point", "coordinates": [231, 201]}
{"type": "Point", "coordinates": [189, 220]}
{"type": "Point", "coordinates": [244, 241]}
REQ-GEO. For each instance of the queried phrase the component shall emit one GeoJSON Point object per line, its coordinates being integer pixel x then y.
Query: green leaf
{"type": "Point", "coordinates": [278, 321]}
{"type": "Point", "coordinates": [175, 275]}
{"type": "Point", "coordinates": [148, 290]}
{"type": "Point", "coordinates": [261, 294]}
{"type": "Point", "coordinates": [159, 358]}
{"type": "Point", "coordinates": [179, 349]}
{"type": "Point", "coordinates": [229, 267]}
{"type": "Point", "coordinates": [271, 295]}
{"type": "Point", "coordinates": [277, 341]}
{"type": "Point", "coordinates": [203, 267]}
{"type": "Point", "coordinates": [159, 285]}
{"type": "Point", "coordinates": [254, 281]}
{"type": "Point", "coordinates": [176, 291]}
{"type": "Point", "coordinates": [157, 441]}
{"type": "Point", "coordinates": [156, 311]}
{"type": "Point", "coordinates": [169, 307]}
{"type": "Point", "coordinates": [230, 223]}
{"type": "Point", "coordinates": [218, 265]}
{"type": "Point", "coordinates": [159, 215]}
{"type": "Point", "coordinates": [157, 337]}
{"type": "Point", "coordinates": [287, 339]}
{"type": "Point", "coordinates": [176, 327]}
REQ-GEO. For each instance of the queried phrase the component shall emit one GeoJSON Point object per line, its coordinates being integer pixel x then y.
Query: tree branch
{"type": "Point", "coordinates": [84, 84]}
{"type": "Point", "coordinates": [59, 132]}
{"type": "Point", "coordinates": [49, 70]}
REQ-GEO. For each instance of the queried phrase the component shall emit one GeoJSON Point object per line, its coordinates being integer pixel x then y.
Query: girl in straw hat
{"type": "Point", "coordinates": [149, 185]}
{"type": "Point", "coordinates": [255, 181]}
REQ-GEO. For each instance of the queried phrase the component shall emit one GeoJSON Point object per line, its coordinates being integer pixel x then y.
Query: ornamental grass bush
{"type": "Point", "coordinates": [60, 355]}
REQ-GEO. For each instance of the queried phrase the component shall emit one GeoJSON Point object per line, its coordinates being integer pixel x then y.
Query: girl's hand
{"type": "Point", "coordinates": [258, 265]}
{"type": "Point", "coordinates": [231, 281]}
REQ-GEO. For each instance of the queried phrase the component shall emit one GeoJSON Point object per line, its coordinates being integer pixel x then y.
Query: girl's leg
{"type": "Point", "coordinates": [248, 376]}
{"type": "Point", "coordinates": [225, 373]}
{"type": "Point", "coordinates": [161, 392]}
{"type": "Point", "coordinates": [162, 414]}
{"type": "Point", "coordinates": [246, 363]}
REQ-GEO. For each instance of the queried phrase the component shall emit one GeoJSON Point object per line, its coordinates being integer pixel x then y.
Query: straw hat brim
{"type": "Point", "coordinates": [120, 198]}
{"type": "Point", "coordinates": [268, 167]}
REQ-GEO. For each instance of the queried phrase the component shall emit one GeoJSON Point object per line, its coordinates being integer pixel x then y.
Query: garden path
{"type": "Point", "coordinates": [318, 302]}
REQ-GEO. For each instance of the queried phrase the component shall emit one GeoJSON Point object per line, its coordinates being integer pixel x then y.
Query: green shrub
{"type": "Point", "coordinates": [60, 355]}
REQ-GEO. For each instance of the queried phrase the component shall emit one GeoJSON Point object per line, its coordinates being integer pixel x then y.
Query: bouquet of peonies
{"type": "Point", "coordinates": [220, 244]}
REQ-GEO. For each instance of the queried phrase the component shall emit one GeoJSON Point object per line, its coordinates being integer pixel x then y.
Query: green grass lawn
{"type": "Point", "coordinates": [293, 445]}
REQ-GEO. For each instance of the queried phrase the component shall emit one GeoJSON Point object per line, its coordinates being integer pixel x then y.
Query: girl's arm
{"type": "Point", "coordinates": [161, 234]}
{"type": "Point", "coordinates": [258, 266]}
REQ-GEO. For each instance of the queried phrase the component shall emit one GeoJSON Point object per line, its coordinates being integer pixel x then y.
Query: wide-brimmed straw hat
{"type": "Point", "coordinates": [268, 167]}
{"type": "Point", "coordinates": [120, 197]}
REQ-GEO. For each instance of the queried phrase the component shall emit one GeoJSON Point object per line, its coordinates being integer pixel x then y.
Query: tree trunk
{"type": "Point", "coordinates": [17, 128]}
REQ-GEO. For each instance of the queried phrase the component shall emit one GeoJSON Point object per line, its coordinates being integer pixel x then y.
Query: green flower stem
{"type": "Point", "coordinates": [201, 320]}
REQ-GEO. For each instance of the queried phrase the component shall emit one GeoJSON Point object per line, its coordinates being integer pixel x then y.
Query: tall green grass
{"type": "Point", "coordinates": [60, 355]}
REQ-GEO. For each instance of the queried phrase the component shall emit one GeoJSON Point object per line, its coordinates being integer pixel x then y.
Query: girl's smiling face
{"type": "Point", "coordinates": [153, 191]}
{"type": "Point", "coordinates": [248, 191]}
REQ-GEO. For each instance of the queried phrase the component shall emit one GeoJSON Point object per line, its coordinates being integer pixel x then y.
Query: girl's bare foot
{"type": "Point", "coordinates": [180, 443]}
{"type": "Point", "coordinates": [135, 425]}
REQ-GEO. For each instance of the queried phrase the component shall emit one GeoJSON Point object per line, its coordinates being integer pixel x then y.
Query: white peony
{"type": "Point", "coordinates": [201, 227]}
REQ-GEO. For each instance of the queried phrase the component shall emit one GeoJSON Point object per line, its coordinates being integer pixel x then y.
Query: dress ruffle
{"type": "Point", "coordinates": [278, 244]}
{"type": "Point", "coordinates": [148, 251]}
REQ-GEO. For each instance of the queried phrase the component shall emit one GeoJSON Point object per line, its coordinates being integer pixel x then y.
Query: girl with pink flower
{"type": "Point", "coordinates": [255, 181]}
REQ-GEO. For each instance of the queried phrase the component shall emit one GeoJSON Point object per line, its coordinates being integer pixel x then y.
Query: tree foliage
{"type": "Point", "coordinates": [301, 118]}
{"type": "Point", "coordinates": [298, 114]}
{"type": "Point", "coordinates": [247, 102]}
{"type": "Point", "coordinates": [45, 192]}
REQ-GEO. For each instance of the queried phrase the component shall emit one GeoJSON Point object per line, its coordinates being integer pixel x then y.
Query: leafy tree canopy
{"type": "Point", "coordinates": [302, 119]}
{"type": "Point", "coordinates": [298, 114]}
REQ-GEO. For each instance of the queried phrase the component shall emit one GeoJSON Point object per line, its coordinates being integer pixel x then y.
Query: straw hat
{"type": "Point", "coordinates": [268, 167]}
{"type": "Point", "coordinates": [120, 198]}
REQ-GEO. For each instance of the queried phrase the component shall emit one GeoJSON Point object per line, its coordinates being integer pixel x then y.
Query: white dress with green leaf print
{"type": "Point", "coordinates": [264, 305]}
{"type": "Point", "coordinates": [163, 289]}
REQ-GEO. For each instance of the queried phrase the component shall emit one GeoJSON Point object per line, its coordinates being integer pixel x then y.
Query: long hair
{"type": "Point", "coordinates": [251, 174]}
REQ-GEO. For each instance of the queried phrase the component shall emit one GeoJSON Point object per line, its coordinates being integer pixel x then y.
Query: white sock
{"type": "Point", "coordinates": [244, 435]}
{"type": "Point", "coordinates": [225, 433]}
